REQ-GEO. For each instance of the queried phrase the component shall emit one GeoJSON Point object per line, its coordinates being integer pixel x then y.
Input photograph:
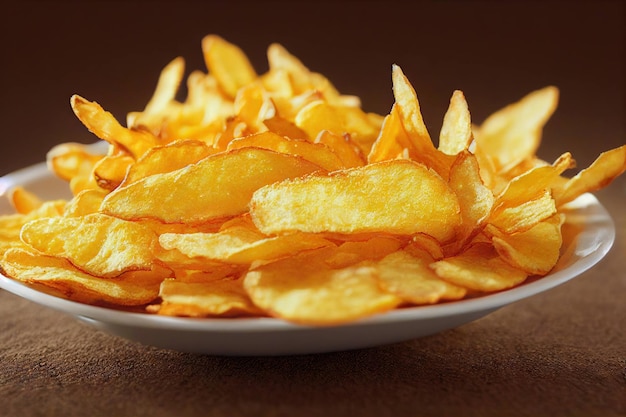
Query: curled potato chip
{"type": "Point", "coordinates": [223, 297]}
{"type": "Point", "coordinates": [24, 201]}
{"type": "Point", "coordinates": [316, 153]}
{"type": "Point", "coordinates": [98, 244]}
{"type": "Point", "coordinates": [536, 250]}
{"type": "Point", "coordinates": [342, 203]}
{"type": "Point", "coordinates": [130, 289]}
{"type": "Point", "coordinates": [456, 131]}
{"type": "Point", "coordinates": [320, 295]}
{"type": "Point", "coordinates": [410, 277]}
{"type": "Point", "coordinates": [228, 64]}
{"type": "Point", "coordinates": [213, 188]}
{"type": "Point", "coordinates": [513, 134]}
{"type": "Point", "coordinates": [479, 268]}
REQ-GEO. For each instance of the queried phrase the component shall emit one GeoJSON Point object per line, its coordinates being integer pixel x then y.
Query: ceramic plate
{"type": "Point", "coordinates": [267, 336]}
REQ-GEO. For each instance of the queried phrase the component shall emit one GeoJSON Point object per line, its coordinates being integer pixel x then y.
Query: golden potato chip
{"type": "Point", "coordinates": [69, 160]}
{"type": "Point", "coordinates": [392, 139]}
{"type": "Point", "coordinates": [354, 252]}
{"type": "Point", "coordinates": [410, 277]}
{"type": "Point", "coordinates": [346, 149]}
{"type": "Point", "coordinates": [215, 187]}
{"type": "Point", "coordinates": [167, 158]}
{"type": "Point", "coordinates": [164, 94]}
{"type": "Point", "coordinates": [420, 146]}
{"type": "Point", "coordinates": [224, 297]}
{"type": "Point", "coordinates": [109, 172]}
{"type": "Point", "coordinates": [103, 124]}
{"type": "Point", "coordinates": [535, 250]}
{"type": "Point", "coordinates": [98, 244]}
{"type": "Point", "coordinates": [342, 202]}
{"type": "Point", "coordinates": [130, 289]}
{"type": "Point", "coordinates": [475, 199]}
{"type": "Point", "coordinates": [456, 130]}
{"type": "Point", "coordinates": [608, 166]}
{"type": "Point", "coordinates": [11, 224]}
{"type": "Point", "coordinates": [513, 133]}
{"type": "Point", "coordinates": [317, 153]}
{"type": "Point", "coordinates": [525, 215]}
{"type": "Point", "coordinates": [228, 64]}
{"type": "Point", "coordinates": [284, 127]}
{"type": "Point", "coordinates": [479, 268]}
{"type": "Point", "coordinates": [309, 292]}
{"type": "Point", "coordinates": [85, 202]}
{"type": "Point", "coordinates": [240, 245]}
{"type": "Point", "coordinates": [24, 201]}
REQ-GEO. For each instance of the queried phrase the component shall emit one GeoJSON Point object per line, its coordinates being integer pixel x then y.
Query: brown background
{"type": "Point", "coordinates": [561, 353]}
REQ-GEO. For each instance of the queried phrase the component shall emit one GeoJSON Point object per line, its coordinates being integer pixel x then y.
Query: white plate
{"type": "Point", "coordinates": [266, 336]}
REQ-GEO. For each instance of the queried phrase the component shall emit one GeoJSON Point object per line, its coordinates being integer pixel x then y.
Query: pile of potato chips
{"type": "Point", "coordinates": [275, 195]}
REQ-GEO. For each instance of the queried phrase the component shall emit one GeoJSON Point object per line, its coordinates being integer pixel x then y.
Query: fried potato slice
{"type": "Point", "coordinates": [525, 215]}
{"type": "Point", "coordinates": [320, 295]}
{"type": "Point", "coordinates": [69, 160]}
{"type": "Point", "coordinates": [104, 125]}
{"type": "Point", "coordinates": [85, 202]}
{"type": "Point", "coordinates": [219, 298]}
{"type": "Point", "coordinates": [479, 268]}
{"type": "Point", "coordinates": [228, 64]}
{"type": "Point", "coordinates": [317, 153]}
{"type": "Point", "coordinates": [607, 166]}
{"type": "Point", "coordinates": [214, 188]}
{"type": "Point", "coordinates": [456, 131]}
{"type": "Point", "coordinates": [535, 250]}
{"type": "Point", "coordinates": [109, 172]}
{"type": "Point", "coordinates": [167, 158]}
{"type": "Point", "coordinates": [11, 224]}
{"type": "Point", "coordinates": [240, 245]}
{"type": "Point", "coordinates": [129, 289]}
{"type": "Point", "coordinates": [342, 202]}
{"type": "Point", "coordinates": [23, 200]}
{"type": "Point", "coordinates": [475, 199]}
{"type": "Point", "coordinates": [420, 147]}
{"type": "Point", "coordinates": [512, 134]}
{"type": "Point", "coordinates": [410, 277]}
{"type": "Point", "coordinates": [97, 244]}
{"type": "Point", "coordinates": [164, 94]}
{"type": "Point", "coordinates": [348, 151]}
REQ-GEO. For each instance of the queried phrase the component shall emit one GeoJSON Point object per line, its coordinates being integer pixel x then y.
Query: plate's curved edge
{"type": "Point", "coordinates": [604, 228]}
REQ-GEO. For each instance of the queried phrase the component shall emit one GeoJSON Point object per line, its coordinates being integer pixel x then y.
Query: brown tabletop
{"type": "Point", "coordinates": [560, 353]}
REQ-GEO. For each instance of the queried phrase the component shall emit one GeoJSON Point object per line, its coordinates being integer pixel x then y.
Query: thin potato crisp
{"type": "Point", "coordinates": [275, 195]}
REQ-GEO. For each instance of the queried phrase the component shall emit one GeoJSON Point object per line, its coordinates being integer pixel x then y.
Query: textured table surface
{"type": "Point", "coordinates": [561, 353]}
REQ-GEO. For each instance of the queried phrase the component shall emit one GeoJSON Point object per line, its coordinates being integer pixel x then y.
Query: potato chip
{"type": "Point", "coordinates": [346, 149]}
{"type": "Point", "coordinates": [513, 134]}
{"type": "Point", "coordinates": [535, 250]}
{"type": "Point", "coordinates": [215, 187]}
{"type": "Point", "coordinates": [479, 268]}
{"type": "Point", "coordinates": [475, 199]}
{"type": "Point", "coordinates": [85, 202]}
{"type": "Point", "coordinates": [228, 64]}
{"type": "Point", "coordinates": [410, 277]}
{"type": "Point", "coordinates": [317, 153]}
{"type": "Point", "coordinates": [103, 124]}
{"type": "Point", "coordinates": [24, 201]}
{"type": "Point", "coordinates": [164, 94]}
{"type": "Point", "coordinates": [130, 289]}
{"type": "Point", "coordinates": [342, 202]}
{"type": "Point", "coordinates": [11, 224]}
{"type": "Point", "coordinates": [224, 298]}
{"type": "Point", "coordinates": [309, 292]}
{"type": "Point", "coordinates": [240, 245]}
{"type": "Point", "coordinates": [167, 158]}
{"type": "Point", "coordinates": [608, 166]}
{"type": "Point", "coordinates": [525, 215]}
{"type": "Point", "coordinates": [98, 244]}
{"type": "Point", "coordinates": [456, 131]}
